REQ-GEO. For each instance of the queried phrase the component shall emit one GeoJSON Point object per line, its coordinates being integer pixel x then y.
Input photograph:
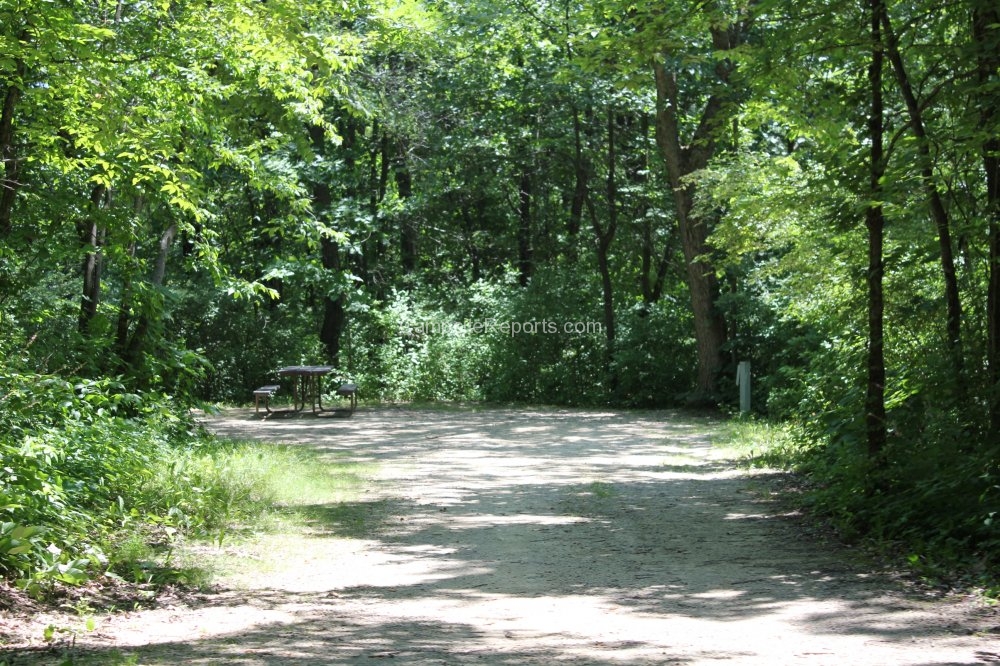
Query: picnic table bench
{"type": "Point", "coordinates": [264, 393]}
{"type": "Point", "coordinates": [349, 391]}
{"type": "Point", "coordinates": [307, 385]}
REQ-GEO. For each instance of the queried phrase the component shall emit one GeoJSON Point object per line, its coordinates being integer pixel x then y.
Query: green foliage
{"type": "Point", "coordinates": [655, 357]}
{"type": "Point", "coordinates": [558, 355]}
{"type": "Point", "coordinates": [415, 348]}
{"type": "Point", "coordinates": [69, 451]}
{"type": "Point", "coordinates": [762, 443]}
{"type": "Point", "coordinates": [244, 341]}
{"type": "Point", "coordinates": [544, 344]}
{"type": "Point", "coordinates": [193, 195]}
{"type": "Point", "coordinates": [209, 486]}
{"type": "Point", "coordinates": [932, 507]}
{"type": "Point", "coordinates": [95, 479]}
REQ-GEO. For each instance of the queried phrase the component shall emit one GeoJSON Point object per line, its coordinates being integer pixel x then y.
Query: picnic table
{"type": "Point", "coordinates": [307, 387]}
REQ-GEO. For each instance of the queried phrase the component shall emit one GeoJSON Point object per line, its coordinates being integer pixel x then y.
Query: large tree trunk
{"type": "Point", "coordinates": [875, 223]}
{"type": "Point", "coordinates": [605, 236]}
{"type": "Point", "coordinates": [10, 174]}
{"type": "Point", "coordinates": [986, 34]}
{"type": "Point", "coordinates": [683, 158]}
{"type": "Point", "coordinates": [939, 213]}
{"type": "Point", "coordinates": [709, 325]}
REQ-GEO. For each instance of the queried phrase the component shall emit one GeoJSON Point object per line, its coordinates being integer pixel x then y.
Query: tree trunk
{"type": "Point", "coordinates": [408, 229]}
{"type": "Point", "coordinates": [151, 316]}
{"type": "Point", "coordinates": [682, 158]}
{"type": "Point", "coordinates": [709, 325]}
{"type": "Point", "coordinates": [91, 234]}
{"type": "Point", "coordinates": [652, 285]}
{"type": "Point", "coordinates": [376, 185]}
{"type": "Point", "coordinates": [604, 237]}
{"type": "Point", "coordinates": [9, 181]}
{"type": "Point", "coordinates": [160, 268]}
{"type": "Point", "coordinates": [124, 308]}
{"type": "Point", "coordinates": [334, 315]}
{"type": "Point", "coordinates": [581, 176]}
{"type": "Point", "coordinates": [938, 211]}
{"type": "Point", "coordinates": [375, 246]}
{"type": "Point", "coordinates": [525, 263]}
{"type": "Point", "coordinates": [986, 34]}
{"type": "Point", "coordinates": [875, 223]}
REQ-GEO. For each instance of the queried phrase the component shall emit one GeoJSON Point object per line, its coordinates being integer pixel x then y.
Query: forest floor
{"type": "Point", "coordinates": [538, 536]}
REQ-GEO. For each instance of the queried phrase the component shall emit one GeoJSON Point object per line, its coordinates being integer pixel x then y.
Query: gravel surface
{"type": "Point", "coordinates": [546, 537]}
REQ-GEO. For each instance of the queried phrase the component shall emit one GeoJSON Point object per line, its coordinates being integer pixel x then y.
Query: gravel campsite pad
{"type": "Point", "coordinates": [545, 537]}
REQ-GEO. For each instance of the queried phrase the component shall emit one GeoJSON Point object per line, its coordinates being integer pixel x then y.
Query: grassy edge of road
{"type": "Point", "coordinates": [237, 503]}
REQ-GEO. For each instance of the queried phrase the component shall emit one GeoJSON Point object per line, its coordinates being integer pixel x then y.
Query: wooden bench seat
{"type": "Point", "coordinates": [264, 394]}
{"type": "Point", "coordinates": [349, 391]}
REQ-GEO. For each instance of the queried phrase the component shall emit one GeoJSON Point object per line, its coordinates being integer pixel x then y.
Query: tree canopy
{"type": "Point", "coordinates": [600, 203]}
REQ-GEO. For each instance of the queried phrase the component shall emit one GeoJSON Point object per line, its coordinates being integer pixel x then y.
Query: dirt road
{"type": "Point", "coordinates": [547, 537]}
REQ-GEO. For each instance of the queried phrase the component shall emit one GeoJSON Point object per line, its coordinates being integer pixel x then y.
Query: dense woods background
{"type": "Point", "coordinates": [600, 203]}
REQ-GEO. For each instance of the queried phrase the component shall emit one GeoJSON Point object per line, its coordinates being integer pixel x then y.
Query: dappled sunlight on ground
{"type": "Point", "coordinates": [544, 536]}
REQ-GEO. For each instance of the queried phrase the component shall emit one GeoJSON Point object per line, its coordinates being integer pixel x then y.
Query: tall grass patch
{"type": "Point", "coordinates": [760, 443]}
{"type": "Point", "coordinates": [244, 505]}
{"type": "Point", "coordinates": [219, 486]}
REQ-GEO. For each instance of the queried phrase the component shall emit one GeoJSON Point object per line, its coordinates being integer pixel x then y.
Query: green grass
{"type": "Point", "coordinates": [758, 443]}
{"type": "Point", "coordinates": [221, 497]}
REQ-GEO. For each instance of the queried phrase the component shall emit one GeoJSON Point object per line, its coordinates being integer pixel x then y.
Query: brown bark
{"type": "Point", "coordinates": [9, 181]}
{"type": "Point", "coordinates": [939, 212]}
{"type": "Point", "coordinates": [875, 223]}
{"type": "Point", "coordinates": [91, 233]}
{"type": "Point", "coordinates": [682, 160]}
{"type": "Point", "coordinates": [986, 35]}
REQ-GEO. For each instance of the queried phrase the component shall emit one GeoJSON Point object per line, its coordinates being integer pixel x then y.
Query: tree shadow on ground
{"type": "Point", "coordinates": [602, 538]}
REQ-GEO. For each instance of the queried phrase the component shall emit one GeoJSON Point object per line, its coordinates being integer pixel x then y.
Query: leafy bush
{"type": "Point", "coordinates": [544, 343]}
{"type": "Point", "coordinates": [933, 505]}
{"type": "Point", "coordinates": [655, 359]}
{"type": "Point", "coordinates": [71, 452]}
{"type": "Point", "coordinates": [410, 348]}
{"type": "Point", "coordinates": [245, 341]}
{"type": "Point", "coordinates": [559, 355]}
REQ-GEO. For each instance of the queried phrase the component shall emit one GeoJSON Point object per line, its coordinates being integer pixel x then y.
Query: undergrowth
{"type": "Point", "coordinates": [96, 481]}
{"type": "Point", "coordinates": [932, 508]}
